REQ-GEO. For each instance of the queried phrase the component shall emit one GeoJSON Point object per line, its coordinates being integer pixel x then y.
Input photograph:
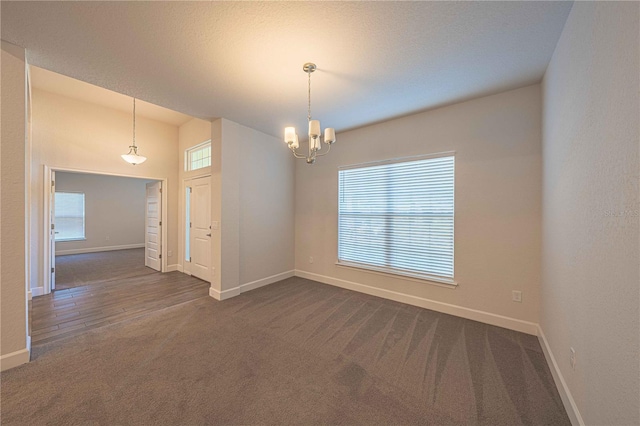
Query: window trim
{"type": "Point", "coordinates": [189, 151]}
{"type": "Point", "coordinates": [84, 218]}
{"type": "Point", "coordinates": [442, 281]}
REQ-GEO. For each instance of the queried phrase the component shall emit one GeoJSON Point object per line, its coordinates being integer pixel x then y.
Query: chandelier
{"type": "Point", "coordinates": [315, 140]}
{"type": "Point", "coordinates": [132, 156]}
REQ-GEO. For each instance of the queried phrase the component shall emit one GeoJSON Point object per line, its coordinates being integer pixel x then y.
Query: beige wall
{"type": "Point", "coordinates": [252, 184]}
{"type": "Point", "coordinates": [13, 282]}
{"type": "Point", "coordinates": [266, 206]}
{"type": "Point", "coordinates": [590, 286]}
{"type": "Point", "coordinates": [72, 134]}
{"type": "Point", "coordinates": [114, 211]}
{"type": "Point", "coordinates": [497, 142]}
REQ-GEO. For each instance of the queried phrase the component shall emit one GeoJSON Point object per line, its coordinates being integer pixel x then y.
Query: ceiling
{"type": "Point", "coordinates": [76, 89]}
{"type": "Point", "coordinates": [243, 60]}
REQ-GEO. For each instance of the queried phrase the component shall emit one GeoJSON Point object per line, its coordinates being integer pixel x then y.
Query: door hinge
{"type": "Point", "coordinates": [53, 226]}
{"type": "Point", "coordinates": [159, 256]}
{"type": "Point", "coordinates": [190, 225]}
{"type": "Point", "coordinates": [53, 183]}
{"type": "Point", "coordinates": [160, 223]}
{"type": "Point", "coordinates": [161, 190]}
{"type": "Point", "coordinates": [189, 258]}
{"type": "Point", "coordinates": [53, 270]}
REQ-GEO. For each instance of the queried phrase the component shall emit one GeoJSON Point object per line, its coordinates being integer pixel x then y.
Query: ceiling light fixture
{"type": "Point", "coordinates": [291, 137]}
{"type": "Point", "coordinates": [132, 156]}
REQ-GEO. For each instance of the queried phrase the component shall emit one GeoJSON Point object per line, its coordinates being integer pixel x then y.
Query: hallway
{"type": "Point", "coordinates": [106, 288]}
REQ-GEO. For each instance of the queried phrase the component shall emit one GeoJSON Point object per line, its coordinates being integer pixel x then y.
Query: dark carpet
{"type": "Point", "coordinates": [294, 352]}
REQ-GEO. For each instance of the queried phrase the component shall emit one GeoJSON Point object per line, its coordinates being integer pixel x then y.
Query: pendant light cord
{"type": "Point", "coordinates": [134, 126]}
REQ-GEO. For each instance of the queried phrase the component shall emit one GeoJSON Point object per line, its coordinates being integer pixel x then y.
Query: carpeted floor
{"type": "Point", "coordinates": [75, 270]}
{"type": "Point", "coordinates": [294, 352]}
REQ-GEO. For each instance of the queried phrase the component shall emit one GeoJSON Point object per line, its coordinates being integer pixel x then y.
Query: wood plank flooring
{"type": "Point", "coordinates": [75, 270]}
{"type": "Point", "coordinates": [72, 311]}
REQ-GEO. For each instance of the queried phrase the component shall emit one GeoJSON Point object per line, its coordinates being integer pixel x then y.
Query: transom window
{"type": "Point", "coordinates": [397, 217]}
{"type": "Point", "coordinates": [69, 216]}
{"type": "Point", "coordinates": [198, 157]}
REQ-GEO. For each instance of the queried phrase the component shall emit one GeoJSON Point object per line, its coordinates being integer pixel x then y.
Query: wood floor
{"type": "Point", "coordinates": [75, 270]}
{"type": "Point", "coordinates": [105, 300]}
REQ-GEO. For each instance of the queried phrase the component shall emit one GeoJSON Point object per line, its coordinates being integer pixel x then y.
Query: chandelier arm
{"type": "Point", "coordinates": [319, 154]}
{"type": "Point", "coordinates": [295, 154]}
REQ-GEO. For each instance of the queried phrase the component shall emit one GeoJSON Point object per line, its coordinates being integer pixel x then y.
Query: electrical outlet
{"type": "Point", "coordinates": [516, 296]}
{"type": "Point", "coordinates": [310, 259]}
{"type": "Point", "coordinates": [107, 238]}
{"type": "Point", "coordinates": [572, 358]}
{"type": "Point", "coordinates": [170, 253]}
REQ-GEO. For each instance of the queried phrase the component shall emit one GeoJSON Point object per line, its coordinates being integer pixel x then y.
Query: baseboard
{"type": "Point", "coordinates": [29, 295]}
{"type": "Point", "coordinates": [175, 267]}
{"type": "Point", "coordinates": [558, 378]}
{"type": "Point", "coordinates": [36, 291]}
{"type": "Point", "coordinates": [459, 311]}
{"type": "Point", "coordinates": [266, 281]}
{"type": "Point", "coordinates": [243, 288]}
{"type": "Point", "coordinates": [224, 294]}
{"type": "Point", "coordinates": [14, 359]}
{"type": "Point", "coordinates": [98, 249]}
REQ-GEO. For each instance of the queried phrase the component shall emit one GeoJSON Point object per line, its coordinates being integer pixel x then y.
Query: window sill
{"type": "Point", "coordinates": [434, 280]}
{"type": "Point", "coordinates": [70, 239]}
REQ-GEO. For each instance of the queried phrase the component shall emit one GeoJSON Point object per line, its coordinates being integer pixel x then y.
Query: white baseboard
{"type": "Point", "coordinates": [14, 359]}
{"type": "Point", "coordinates": [29, 295]}
{"type": "Point", "coordinates": [224, 294]}
{"type": "Point", "coordinates": [558, 378]}
{"type": "Point", "coordinates": [98, 249]}
{"type": "Point", "coordinates": [175, 267]}
{"type": "Point", "coordinates": [36, 291]}
{"type": "Point", "coordinates": [459, 311]}
{"type": "Point", "coordinates": [243, 288]}
{"type": "Point", "coordinates": [266, 281]}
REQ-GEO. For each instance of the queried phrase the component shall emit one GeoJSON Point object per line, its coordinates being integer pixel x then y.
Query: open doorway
{"type": "Point", "coordinates": [102, 228]}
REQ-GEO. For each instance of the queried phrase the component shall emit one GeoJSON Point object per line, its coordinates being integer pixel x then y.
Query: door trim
{"type": "Point", "coordinates": [46, 278]}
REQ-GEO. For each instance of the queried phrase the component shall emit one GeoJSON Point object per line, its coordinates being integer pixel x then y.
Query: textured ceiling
{"type": "Point", "coordinates": [76, 89]}
{"type": "Point", "coordinates": [243, 60]}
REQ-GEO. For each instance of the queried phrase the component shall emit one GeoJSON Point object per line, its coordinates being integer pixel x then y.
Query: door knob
{"type": "Point", "coordinates": [208, 235]}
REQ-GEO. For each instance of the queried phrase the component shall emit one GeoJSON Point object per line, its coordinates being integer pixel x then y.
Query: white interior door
{"type": "Point", "coordinates": [200, 235]}
{"type": "Point", "coordinates": [52, 230]}
{"type": "Point", "coordinates": [153, 226]}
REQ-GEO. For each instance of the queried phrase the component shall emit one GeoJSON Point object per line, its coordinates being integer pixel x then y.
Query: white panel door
{"type": "Point", "coordinates": [153, 226]}
{"type": "Point", "coordinates": [52, 230]}
{"type": "Point", "coordinates": [201, 228]}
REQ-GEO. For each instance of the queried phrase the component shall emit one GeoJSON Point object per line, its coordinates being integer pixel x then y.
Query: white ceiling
{"type": "Point", "coordinates": [76, 89]}
{"type": "Point", "coordinates": [243, 60]}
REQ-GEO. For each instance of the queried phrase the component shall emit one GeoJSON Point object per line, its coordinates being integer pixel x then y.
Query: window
{"type": "Point", "coordinates": [69, 216]}
{"type": "Point", "coordinates": [198, 157]}
{"type": "Point", "coordinates": [397, 217]}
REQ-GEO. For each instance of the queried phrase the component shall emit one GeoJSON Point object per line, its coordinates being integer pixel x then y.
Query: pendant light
{"type": "Point", "coordinates": [132, 156]}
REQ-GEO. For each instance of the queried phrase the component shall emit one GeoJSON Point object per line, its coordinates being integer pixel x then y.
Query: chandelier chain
{"type": "Point", "coordinates": [309, 97]}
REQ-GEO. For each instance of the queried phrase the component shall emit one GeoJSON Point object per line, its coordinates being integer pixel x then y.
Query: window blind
{"type": "Point", "coordinates": [398, 217]}
{"type": "Point", "coordinates": [69, 216]}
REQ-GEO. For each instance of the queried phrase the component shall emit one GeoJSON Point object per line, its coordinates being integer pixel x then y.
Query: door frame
{"type": "Point", "coordinates": [46, 278]}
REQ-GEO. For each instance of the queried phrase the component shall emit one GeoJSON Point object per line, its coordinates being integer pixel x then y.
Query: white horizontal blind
{"type": "Point", "coordinates": [69, 216]}
{"type": "Point", "coordinates": [398, 217]}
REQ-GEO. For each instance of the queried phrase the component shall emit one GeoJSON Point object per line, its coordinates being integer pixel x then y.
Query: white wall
{"type": "Point", "coordinates": [498, 205]}
{"type": "Point", "coordinates": [72, 134]}
{"type": "Point", "coordinates": [253, 199]}
{"type": "Point", "coordinates": [590, 284]}
{"type": "Point", "coordinates": [14, 347]}
{"type": "Point", "coordinates": [114, 211]}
